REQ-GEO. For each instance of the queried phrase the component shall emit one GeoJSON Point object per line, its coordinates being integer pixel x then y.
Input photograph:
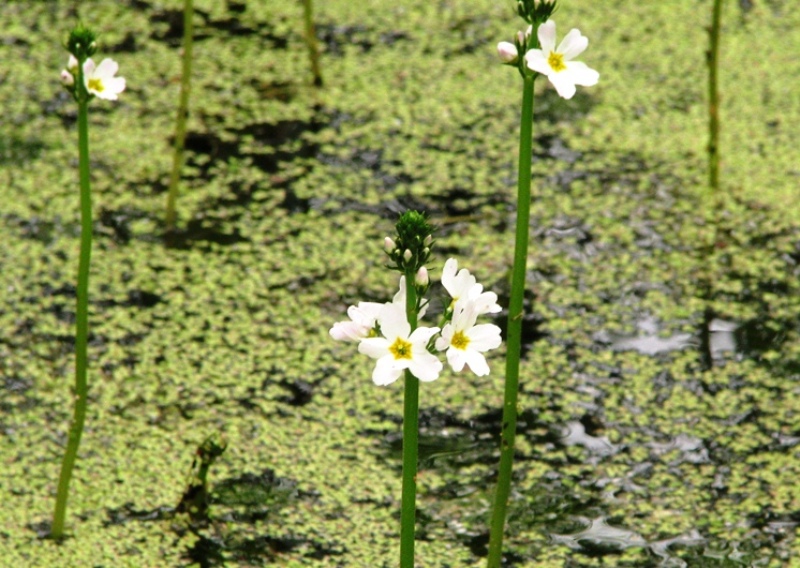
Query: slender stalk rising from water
{"type": "Point", "coordinates": [183, 112]}
{"type": "Point", "coordinates": [514, 332]}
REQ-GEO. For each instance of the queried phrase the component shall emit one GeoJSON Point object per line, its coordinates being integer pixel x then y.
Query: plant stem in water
{"type": "Point", "coordinates": [514, 332]}
{"type": "Point", "coordinates": [183, 112]}
{"type": "Point", "coordinates": [410, 440]}
{"type": "Point", "coordinates": [81, 318]}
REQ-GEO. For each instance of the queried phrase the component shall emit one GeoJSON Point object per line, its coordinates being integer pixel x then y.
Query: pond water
{"type": "Point", "coordinates": [659, 406]}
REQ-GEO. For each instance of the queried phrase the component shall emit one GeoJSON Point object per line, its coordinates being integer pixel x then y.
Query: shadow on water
{"type": "Point", "coordinates": [228, 531]}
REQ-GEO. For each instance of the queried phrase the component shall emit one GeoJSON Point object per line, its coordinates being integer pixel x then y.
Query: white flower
{"type": "Point", "coordinates": [399, 349]}
{"type": "Point", "coordinates": [465, 342]}
{"type": "Point", "coordinates": [100, 80]}
{"type": "Point", "coordinates": [557, 64]}
{"type": "Point", "coordinates": [363, 318]}
{"type": "Point", "coordinates": [461, 284]}
{"type": "Point", "coordinates": [507, 52]}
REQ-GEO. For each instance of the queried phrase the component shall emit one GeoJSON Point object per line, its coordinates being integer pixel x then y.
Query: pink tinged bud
{"type": "Point", "coordinates": [507, 52]}
{"type": "Point", "coordinates": [388, 245]}
{"type": "Point", "coordinates": [421, 279]}
{"type": "Point", "coordinates": [407, 256]}
{"type": "Point", "coordinates": [66, 78]}
{"type": "Point", "coordinates": [72, 64]}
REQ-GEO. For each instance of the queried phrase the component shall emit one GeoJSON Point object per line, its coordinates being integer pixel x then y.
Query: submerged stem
{"type": "Point", "coordinates": [311, 41]}
{"type": "Point", "coordinates": [81, 318]}
{"type": "Point", "coordinates": [408, 512]}
{"type": "Point", "coordinates": [514, 333]}
{"type": "Point", "coordinates": [183, 112]}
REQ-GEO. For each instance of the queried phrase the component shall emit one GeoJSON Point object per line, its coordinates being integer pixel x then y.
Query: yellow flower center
{"type": "Point", "coordinates": [401, 349]}
{"type": "Point", "coordinates": [96, 85]}
{"type": "Point", "coordinates": [459, 341]}
{"type": "Point", "coordinates": [556, 61]}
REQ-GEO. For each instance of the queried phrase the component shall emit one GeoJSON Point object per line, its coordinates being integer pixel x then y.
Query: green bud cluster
{"type": "Point", "coordinates": [82, 43]}
{"type": "Point", "coordinates": [411, 248]}
{"type": "Point", "coordinates": [536, 12]}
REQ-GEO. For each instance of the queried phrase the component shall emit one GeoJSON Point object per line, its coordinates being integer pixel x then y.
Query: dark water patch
{"type": "Point", "coordinates": [128, 513]}
{"type": "Point", "coordinates": [470, 34]}
{"type": "Point", "coordinates": [252, 497]}
{"type": "Point", "coordinates": [334, 38]}
{"type": "Point", "coordinates": [116, 223]}
{"type": "Point", "coordinates": [532, 320]}
{"type": "Point", "coordinates": [300, 392]}
{"type": "Point", "coordinates": [17, 150]}
{"type": "Point", "coordinates": [127, 44]}
{"type": "Point", "coordinates": [202, 232]}
{"type": "Point", "coordinates": [283, 91]}
{"type": "Point", "coordinates": [215, 550]}
{"type": "Point", "coordinates": [38, 229]}
{"type": "Point", "coordinates": [134, 299]}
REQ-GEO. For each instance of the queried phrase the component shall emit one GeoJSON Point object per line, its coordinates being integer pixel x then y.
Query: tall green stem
{"type": "Point", "coordinates": [81, 318]}
{"type": "Point", "coordinates": [514, 332]}
{"type": "Point", "coordinates": [183, 112]}
{"type": "Point", "coordinates": [713, 104]}
{"type": "Point", "coordinates": [408, 512]}
{"type": "Point", "coordinates": [311, 41]}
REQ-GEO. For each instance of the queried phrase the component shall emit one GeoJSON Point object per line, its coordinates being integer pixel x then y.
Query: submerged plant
{"type": "Point", "coordinates": [183, 112]}
{"type": "Point", "coordinates": [194, 501]}
{"type": "Point", "coordinates": [311, 41]}
{"type": "Point", "coordinates": [85, 81]}
{"type": "Point", "coordinates": [390, 334]}
{"type": "Point", "coordinates": [534, 52]}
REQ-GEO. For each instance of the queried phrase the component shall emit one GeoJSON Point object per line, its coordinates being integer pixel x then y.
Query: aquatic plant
{"type": "Point", "coordinates": [183, 112]}
{"type": "Point", "coordinates": [539, 56]}
{"type": "Point", "coordinates": [85, 81]}
{"type": "Point", "coordinates": [390, 334]}
{"type": "Point", "coordinates": [311, 41]}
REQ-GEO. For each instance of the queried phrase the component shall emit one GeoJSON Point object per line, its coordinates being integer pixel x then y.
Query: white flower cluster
{"type": "Point", "coordinates": [556, 63]}
{"type": "Point", "coordinates": [382, 331]}
{"type": "Point", "coordinates": [98, 79]}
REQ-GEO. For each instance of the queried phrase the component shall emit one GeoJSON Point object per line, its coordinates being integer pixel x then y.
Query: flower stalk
{"type": "Point", "coordinates": [713, 102]}
{"type": "Point", "coordinates": [311, 41]}
{"type": "Point", "coordinates": [81, 321]}
{"type": "Point", "coordinates": [408, 510]}
{"type": "Point", "coordinates": [514, 330]}
{"type": "Point", "coordinates": [84, 80]}
{"type": "Point", "coordinates": [183, 113]}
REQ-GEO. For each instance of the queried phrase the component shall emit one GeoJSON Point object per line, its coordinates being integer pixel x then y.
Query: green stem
{"type": "Point", "coordinates": [81, 318]}
{"type": "Point", "coordinates": [514, 332]}
{"type": "Point", "coordinates": [183, 112]}
{"type": "Point", "coordinates": [311, 41]}
{"type": "Point", "coordinates": [408, 512]}
{"type": "Point", "coordinates": [713, 103]}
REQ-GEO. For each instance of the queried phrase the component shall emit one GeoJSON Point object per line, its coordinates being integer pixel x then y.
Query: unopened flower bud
{"type": "Point", "coordinates": [428, 240]}
{"type": "Point", "coordinates": [66, 78]}
{"type": "Point", "coordinates": [388, 245]}
{"type": "Point", "coordinates": [507, 52]}
{"type": "Point", "coordinates": [421, 279]}
{"type": "Point", "coordinates": [529, 32]}
{"type": "Point", "coordinates": [72, 64]}
{"type": "Point", "coordinates": [408, 255]}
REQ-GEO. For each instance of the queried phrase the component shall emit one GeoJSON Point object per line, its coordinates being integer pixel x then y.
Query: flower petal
{"type": "Point", "coordinates": [375, 347]}
{"type": "Point", "coordinates": [547, 36]}
{"type": "Point", "coordinates": [107, 69]}
{"type": "Point", "coordinates": [425, 367]}
{"type": "Point", "coordinates": [393, 321]}
{"type": "Point", "coordinates": [484, 337]}
{"type": "Point", "coordinates": [536, 61]}
{"type": "Point", "coordinates": [386, 371]}
{"type": "Point", "coordinates": [573, 44]}
{"type": "Point", "coordinates": [580, 74]}
{"type": "Point", "coordinates": [477, 363]}
{"type": "Point", "coordinates": [456, 358]}
{"type": "Point", "coordinates": [563, 83]}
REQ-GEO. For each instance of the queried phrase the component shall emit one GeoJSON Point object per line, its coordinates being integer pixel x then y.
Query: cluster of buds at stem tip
{"type": "Point", "coordinates": [82, 43]}
{"type": "Point", "coordinates": [82, 77]}
{"type": "Point", "coordinates": [536, 12]}
{"type": "Point", "coordinates": [410, 249]}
